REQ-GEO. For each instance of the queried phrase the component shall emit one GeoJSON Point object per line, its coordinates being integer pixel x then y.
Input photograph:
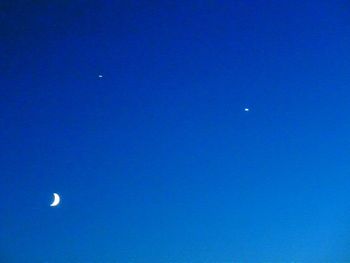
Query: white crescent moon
{"type": "Point", "coordinates": [56, 200]}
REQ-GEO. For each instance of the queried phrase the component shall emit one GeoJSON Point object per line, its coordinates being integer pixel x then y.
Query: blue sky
{"type": "Point", "coordinates": [158, 161]}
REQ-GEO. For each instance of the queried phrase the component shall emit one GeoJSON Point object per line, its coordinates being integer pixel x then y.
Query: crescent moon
{"type": "Point", "coordinates": [56, 200]}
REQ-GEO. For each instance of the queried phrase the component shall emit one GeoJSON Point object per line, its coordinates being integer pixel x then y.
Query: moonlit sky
{"type": "Point", "coordinates": [157, 160]}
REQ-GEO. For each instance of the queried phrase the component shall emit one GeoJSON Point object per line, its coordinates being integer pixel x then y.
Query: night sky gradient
{"type": "Point", "coordinates": [157, 161]}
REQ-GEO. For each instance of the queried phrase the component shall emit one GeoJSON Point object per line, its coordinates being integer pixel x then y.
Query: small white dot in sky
{"type": "Point", "coordinates": [100, 76]}
{"type": "Point", "coordinates": [246, 109]}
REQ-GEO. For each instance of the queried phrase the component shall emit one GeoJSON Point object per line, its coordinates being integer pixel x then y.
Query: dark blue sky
{"type": "Point", "coordinates": [158, 161]}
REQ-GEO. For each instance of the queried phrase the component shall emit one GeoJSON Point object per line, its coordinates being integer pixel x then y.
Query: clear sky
{"type": "Point", "coordinates": [158, 161]}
